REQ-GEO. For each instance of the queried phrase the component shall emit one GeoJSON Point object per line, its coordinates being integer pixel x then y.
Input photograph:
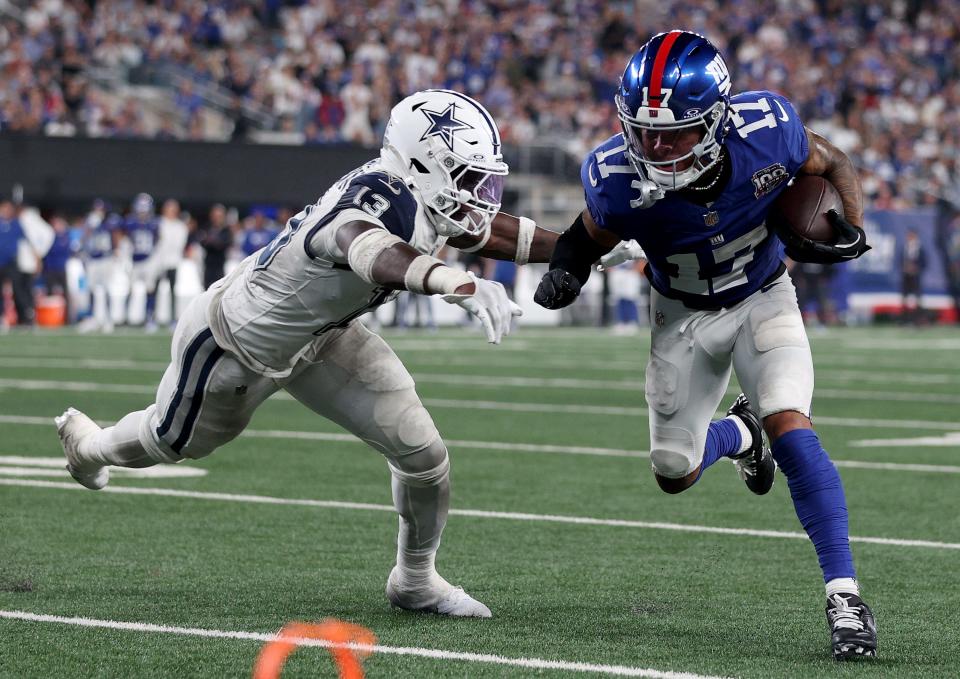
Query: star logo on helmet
{"type": "Point", "coordinates": [444, 124]}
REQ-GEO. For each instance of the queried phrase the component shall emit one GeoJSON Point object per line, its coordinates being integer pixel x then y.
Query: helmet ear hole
{"type": "Point", "coordinates": [418, 166]}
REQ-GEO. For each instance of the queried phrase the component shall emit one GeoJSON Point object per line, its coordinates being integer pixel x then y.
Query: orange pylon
{"type": "Point", "coordinates": [274, 654]}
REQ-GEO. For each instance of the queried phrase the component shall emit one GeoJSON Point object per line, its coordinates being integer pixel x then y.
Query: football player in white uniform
{"type": "Point", "coordinates": [285, 319]}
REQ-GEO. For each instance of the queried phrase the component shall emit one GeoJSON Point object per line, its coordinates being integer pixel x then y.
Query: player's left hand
{"type": "Point", "coordinates": [851, 243]}
{"type": "Point", "coordinates": [626, 251]}
{"type": "Point", "coordinates": [557, 289]}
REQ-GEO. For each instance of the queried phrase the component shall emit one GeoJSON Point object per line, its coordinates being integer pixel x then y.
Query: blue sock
{"type": "Point", "coordinates": [818, 498]}
{"type": "Point", "coordinates": [723, 440]}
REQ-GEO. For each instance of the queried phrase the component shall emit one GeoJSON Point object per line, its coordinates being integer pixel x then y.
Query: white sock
{"type": "Point", "coordinates": [843, 586]}
{"type": "Point", "coordinates": [416, 567]}
{"type": "Point", "coordinates": [746, 439]}
{"type": "Point", "coordinates": [120, 444]}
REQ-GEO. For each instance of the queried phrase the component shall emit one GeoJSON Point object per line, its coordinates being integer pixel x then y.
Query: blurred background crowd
{"type": "Point", "coordinates": [879, 78]}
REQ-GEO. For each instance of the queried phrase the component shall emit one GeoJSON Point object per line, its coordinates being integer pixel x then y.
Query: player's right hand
{"type": "Point", "coordinates": [557, 289]}
{"type": "Point", "coordinates": [491, 305]}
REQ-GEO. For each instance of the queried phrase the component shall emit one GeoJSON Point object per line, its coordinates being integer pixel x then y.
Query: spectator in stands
{"type": "Point", "coordinates": [215, 237]}
{"type": "Point", "coordinates": [11, 233]}
{"type": "Point", "coordinates": [913, 261]}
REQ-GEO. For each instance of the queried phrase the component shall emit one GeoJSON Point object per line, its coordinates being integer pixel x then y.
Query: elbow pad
{"type": "Point", "coordinates": [576, 251]}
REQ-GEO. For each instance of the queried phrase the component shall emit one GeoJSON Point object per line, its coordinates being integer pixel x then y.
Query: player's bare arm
{"type": "Point", "coordinates": [829, 162]}
{"type": "Point", "coordinates": [834, 165]}
{"type": "Point", "coordinates": [575, 252]}
{"type": "Point", "coordinates": [510, 237]}
{"type": "Point", "coordinates": [394, 264]}
{"type": "Point", "coordinates": [378, 256]}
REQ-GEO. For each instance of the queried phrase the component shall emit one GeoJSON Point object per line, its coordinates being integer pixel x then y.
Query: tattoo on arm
{"type": "Point", "coordinates": [834, 165]}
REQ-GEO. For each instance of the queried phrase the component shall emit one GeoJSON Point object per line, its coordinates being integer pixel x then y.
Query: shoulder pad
{"type": "Point", "coordinates": [384, 198]}
{"type": "Point", "coordinates": [606, 174]}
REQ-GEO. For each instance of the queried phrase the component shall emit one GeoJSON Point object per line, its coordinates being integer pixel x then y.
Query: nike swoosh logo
{"type": "Point", "coordinates": [593, 180]}
{"type": "Point", "coordinates": [783, 114]}
{"type": "Point", "coordinates": [389, 185]}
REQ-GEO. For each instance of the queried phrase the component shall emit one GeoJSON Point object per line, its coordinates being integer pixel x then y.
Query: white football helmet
{"type": "Point", "coordinates": [446, 147]}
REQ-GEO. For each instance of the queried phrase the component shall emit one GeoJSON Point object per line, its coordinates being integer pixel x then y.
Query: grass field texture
{"type": "Point", "coordinates": [557, 525]}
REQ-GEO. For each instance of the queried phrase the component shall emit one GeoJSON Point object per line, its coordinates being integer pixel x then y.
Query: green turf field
{"type": "Point", "coordinates": [544, 431]}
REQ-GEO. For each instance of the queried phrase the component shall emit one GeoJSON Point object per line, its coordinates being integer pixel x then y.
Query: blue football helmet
{"type": "Point", "coordinates": [673, 104]}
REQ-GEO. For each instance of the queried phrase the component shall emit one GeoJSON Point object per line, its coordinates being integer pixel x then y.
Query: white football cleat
{"type": "Point", "coordinates": [441, 598]}
{"type": "Point", "coordinates": [73, 427]}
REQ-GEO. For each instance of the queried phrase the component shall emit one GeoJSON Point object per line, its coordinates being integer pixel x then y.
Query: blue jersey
{"type": "Point", "coordinates": [716, 255]}
{"type": "Point", "coordinates": [142, 235]}
{"type": "Point", "coordinates": [99, 239]}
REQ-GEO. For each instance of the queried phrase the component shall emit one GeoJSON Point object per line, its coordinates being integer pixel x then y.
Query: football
{"type": "Point", "coordinates": [802, 208]}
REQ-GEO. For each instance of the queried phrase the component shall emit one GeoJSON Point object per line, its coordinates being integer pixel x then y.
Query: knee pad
{"type": "Point", "coordinates": [428, 466]}
{"type": "Point", "coordinates": [674, 452]}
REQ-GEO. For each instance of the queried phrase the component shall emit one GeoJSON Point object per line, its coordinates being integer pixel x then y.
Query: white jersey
{"type": "Point", "coordinates": [281, 300]}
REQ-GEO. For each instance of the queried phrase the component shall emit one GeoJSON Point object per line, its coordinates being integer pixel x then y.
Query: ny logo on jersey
{"type": "Point", "coordinates": [767, 179]}
{"type": "Point", "coordinates": [444, 124]}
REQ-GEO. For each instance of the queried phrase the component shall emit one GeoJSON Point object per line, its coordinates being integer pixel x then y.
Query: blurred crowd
{"type": "Point", "coordinates": [879, 78]}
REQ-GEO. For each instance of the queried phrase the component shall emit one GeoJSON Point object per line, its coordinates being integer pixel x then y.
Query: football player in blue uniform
{"type": "Point", "coordinates": [143, 229]}
{"type": "Point", "coordinates": [102, 234]}
{"type": "Point", "coordinates": [691, 179]}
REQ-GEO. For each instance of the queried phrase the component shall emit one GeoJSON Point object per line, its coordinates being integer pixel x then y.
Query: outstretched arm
{"type": "Point", "coordinates": [382, 258]}
{"type": "Point", "coordinates": [835, 166]}
{"type": "Point", "coordinates": [378, 256]}
{"type": "Point", "coordinates": [516, 238]}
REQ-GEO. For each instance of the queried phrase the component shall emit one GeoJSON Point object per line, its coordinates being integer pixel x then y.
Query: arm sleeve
{"type": "Point", "coordinates": [376, 198]}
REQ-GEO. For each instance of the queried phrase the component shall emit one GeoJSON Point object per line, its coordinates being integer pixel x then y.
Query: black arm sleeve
{"type": "Point", "coordinates": [576, 251]}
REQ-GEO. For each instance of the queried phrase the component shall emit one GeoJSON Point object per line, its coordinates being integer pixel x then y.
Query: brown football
{"type": "Point", "coordinates": [802, 208]}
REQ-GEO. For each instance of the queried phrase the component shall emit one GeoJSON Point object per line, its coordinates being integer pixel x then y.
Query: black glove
{"type": "Point", "coordinates": [557, 289]}
{"type": "Point", "coordinates": [851, 242]}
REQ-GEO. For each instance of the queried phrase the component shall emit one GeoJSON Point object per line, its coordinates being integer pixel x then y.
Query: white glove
{"type": "Point", "coordinates": [626, 251]}
{"type": "Point", "coordinates": [650, 193]}
{"type": "Point", "coordinates": [491, 305]}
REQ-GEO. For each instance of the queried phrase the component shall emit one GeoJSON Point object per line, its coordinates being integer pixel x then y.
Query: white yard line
{"type": "Point", "coordinates": [499, 445]}
{"type": "Point", "coordinates": [542, 363]}
{"type": "Point", "coordinates": [585, 409]}
{"type": "Point", "coordinates": [491, 382]}
{"type": "Point", "coordinates": [474, 513]}
{"type": "Point", "coordinates": [431, 653]}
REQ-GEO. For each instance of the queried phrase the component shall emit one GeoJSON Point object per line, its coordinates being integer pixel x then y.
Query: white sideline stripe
{"type": "Point", "coordinates": [23, 465]}
{"type": "Point", "coordinates": [473, 513]}
{"type": "Point", "coordinates": [432, 653]}
{"type": "Point", "coordinates": [500, 445]}
{"type": "Point", "coordinates": [53, 385]}
{"type": "Point", "coordinates": [56, 363]}
{"type": "Point", "coordinates": [487, 381]}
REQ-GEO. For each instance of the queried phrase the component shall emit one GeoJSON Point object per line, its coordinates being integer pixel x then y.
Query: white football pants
{"type": "Point", "coordinates": [691, 354]}
{"type": "Point", "coordinates": [350, 376]}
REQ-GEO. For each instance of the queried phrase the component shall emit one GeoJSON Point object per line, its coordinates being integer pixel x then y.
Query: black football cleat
{"type": "Point", "coordinates": [755, 466]}
{"type": "Point", "coordinates": [853, 631]}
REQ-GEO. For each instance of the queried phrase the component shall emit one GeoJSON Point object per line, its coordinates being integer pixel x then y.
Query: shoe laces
{"type": "Point", "coordinates": [843, 615]}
